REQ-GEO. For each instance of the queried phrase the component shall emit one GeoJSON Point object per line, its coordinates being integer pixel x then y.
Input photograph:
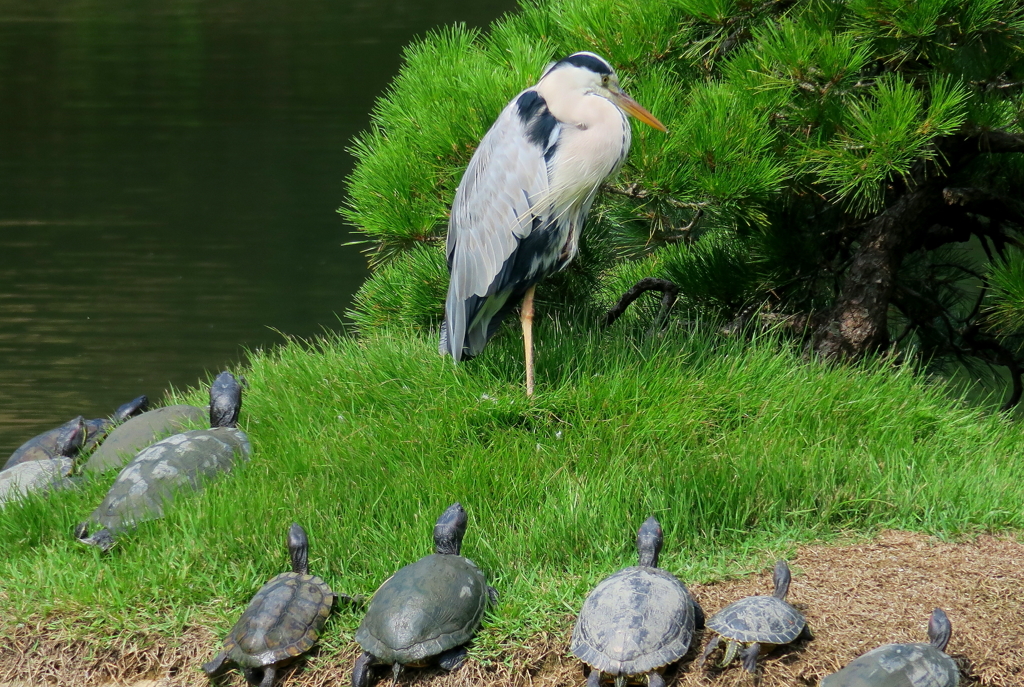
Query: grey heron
{"type": "Point", "coordinates": [525, 195]}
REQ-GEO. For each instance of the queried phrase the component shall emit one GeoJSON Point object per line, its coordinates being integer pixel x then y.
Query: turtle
{"type": "Point", "coordinates": [757, 622]}
{"type": "Point", "coordinates": [46, 445]}
{"type": "Point", "coordinates": [34, 475]}
{"type": "Point", "coordinates": [428, 609]}
{"type": "Point", "coordinates": [637, 620]}
{"type": "Point", "coordinates": [183, 461]}
{"type": "Point", "coordinates": [137, 433]}
{"type": "Point", "coordinates": [66, 440]}
{"type": "Point", "coordinates": [281, 623]}
{"type": "Point", "coordinates": [904, 665]}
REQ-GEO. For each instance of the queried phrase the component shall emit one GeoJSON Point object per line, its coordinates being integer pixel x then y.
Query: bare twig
{"type": "Point", "coordinates": [668, 290]}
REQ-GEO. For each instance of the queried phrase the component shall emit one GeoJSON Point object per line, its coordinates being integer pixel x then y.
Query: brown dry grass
{"type": "Point", "coordinates": [855, 597]}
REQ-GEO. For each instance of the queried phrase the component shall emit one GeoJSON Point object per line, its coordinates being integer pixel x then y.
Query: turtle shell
{"type": "Point", "coordinates": [898, 665]}
{"type": "Point", "coordinates": [427, 607]}
{"type": "Point", "coordinates": [135, 434]}
{"type": "Point", "coordinates": [156, 474]}
{"type": "Point", "coordinates": [23, 478]}
{"type": "Point", "coordinates": [283, 620]}
{"type": "Point", "coordinates": [764, 619]}
{"type": "Point", "coordinates": [635, 621]}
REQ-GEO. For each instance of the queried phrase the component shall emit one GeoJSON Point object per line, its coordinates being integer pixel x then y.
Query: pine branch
{"type": "Point", "coordinates": [668, 290]}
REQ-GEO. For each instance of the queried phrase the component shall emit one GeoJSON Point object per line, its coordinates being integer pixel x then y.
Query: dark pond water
{"type": "Point", "coordinates": [169, 175]}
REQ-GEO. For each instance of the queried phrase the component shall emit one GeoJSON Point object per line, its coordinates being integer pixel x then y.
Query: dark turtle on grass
{"type": "Point", "coordinates": [638, 620]}
{"type": "Point", "coordinates": [282, 622]}
{"type": "Point", "coordinates": [52, 443]}
{"type": "Point", "coordinates": [757, 623]}
{"type": "Point", "coordinates": [904, 665]}
{"type": "Point", "coordinates": [428, 609]}
{"type": "Point", "coordinates": [66, 440]}
{"type": "Point", "coordinates": [183, 461]}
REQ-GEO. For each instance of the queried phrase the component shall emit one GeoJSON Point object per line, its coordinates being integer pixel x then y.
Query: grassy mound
{"type": "Point", "coordinates": [742, 450]}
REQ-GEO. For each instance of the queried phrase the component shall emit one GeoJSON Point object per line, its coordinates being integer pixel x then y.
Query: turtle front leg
{"type": "Point", "coordinates": [453, 658]}
{"type": "Point", "coordinates": [363, 669]}
{"type": "Point", "coordinates": [712, 645]}
{"type": "Point", "coordinates": [594, 679]}
{"type": "Point", "coordinates": [655, 679]}
{"type": "Point", "coordinates": [217, 666]}
{"type": "Point", "coordinates": [750, 657]}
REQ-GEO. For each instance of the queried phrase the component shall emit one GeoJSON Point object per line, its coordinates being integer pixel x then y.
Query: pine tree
{"type": "Point", "coordinates": [851, 170]}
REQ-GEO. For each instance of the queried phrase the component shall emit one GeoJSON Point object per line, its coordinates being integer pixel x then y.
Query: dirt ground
{"type": "Point", "coordinates": [855, 598]}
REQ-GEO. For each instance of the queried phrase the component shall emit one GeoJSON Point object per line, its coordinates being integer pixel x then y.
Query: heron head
{"type": "Point", "coordinates": [592, 74]}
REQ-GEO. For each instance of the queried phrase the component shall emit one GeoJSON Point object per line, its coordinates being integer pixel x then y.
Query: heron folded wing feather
{"type": "Point", "coordinates": [495, 209]}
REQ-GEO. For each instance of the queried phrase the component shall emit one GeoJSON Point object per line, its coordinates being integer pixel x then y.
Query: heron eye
{"type": "Point", "coordinates": [604, 80]}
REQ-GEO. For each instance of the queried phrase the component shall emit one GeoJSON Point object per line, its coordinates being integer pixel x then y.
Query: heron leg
{"type": "Point", "coordinates": [526, 319]}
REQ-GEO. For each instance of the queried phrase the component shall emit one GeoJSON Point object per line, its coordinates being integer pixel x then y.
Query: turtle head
{"type": "Point", "coordinates": [781, 579]}
{"type": "Point", "coordinates": [225, 400]}
{"type": "Point", "coordinates": [298, 548]}
{"type": "Point", "coordinates": [449, 529]}
{"type": "Point", "coordinates": [648, 542]}
{"type": "Point", "coordinates": [939, 629]}
{"type": "Point", "coordinates": [131, 408]}
{"type": "Point", "coordinates": [72, 437]}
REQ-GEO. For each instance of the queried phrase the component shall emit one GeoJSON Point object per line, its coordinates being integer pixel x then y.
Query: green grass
{"type": "Point", "coordinates": [742, 450]}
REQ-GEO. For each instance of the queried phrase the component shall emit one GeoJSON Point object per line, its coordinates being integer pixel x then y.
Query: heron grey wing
{"type": "Point", "coordinates": [493, 208]}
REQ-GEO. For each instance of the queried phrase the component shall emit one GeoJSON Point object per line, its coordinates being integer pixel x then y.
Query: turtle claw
{"type": "Point", "coordinates": [750, 657]}
{"type": "Point", "coordinates": [104, 539]}
{"type": "Point", "coordinates": [712, 645]}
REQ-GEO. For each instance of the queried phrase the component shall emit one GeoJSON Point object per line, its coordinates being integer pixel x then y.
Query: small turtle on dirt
{"type": "Point", "coordinates": [904, 665]}
{"type": "Point", "coordinates": [757, 622]}
{"type": "Point", "coordinates": [183, 461]}
{"type": "Point", "coordinates": [47, 445]}
{"type": "Point", "coordinates": [429, 608]}
{"type": "Point", "coordinates": [282, 622]}
{"type": "Point", "coordinates": [638, 620]}
{"type": "Point", "coordinates": [128, 439]}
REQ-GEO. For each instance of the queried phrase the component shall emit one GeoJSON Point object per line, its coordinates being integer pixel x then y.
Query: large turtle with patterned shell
{"type": "Point", "coordinates": [904, 665]}
{"type": "Point", "coordinates": [638, 620]}
{"type": "Point", "coordinates": [757, 623]}
{"type": "Point", "coordinates": [180, 463]}
{"type": "Point", "coordinates": [427, 610]}
{"type": "Point", "coordinates": [282, 622]}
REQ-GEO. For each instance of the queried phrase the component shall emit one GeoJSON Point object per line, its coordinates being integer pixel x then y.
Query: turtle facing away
{"type": "Point", "coordinates": [638, 620]}
{"type": "Point", "coordinates": [757, 623]}
{"type": "Point", "coordinates": [282, 622]}
{"type": "Point", "coordinates": [904, 665]}
{"type": "Point", "coordinates": [126, 440]}
{"type": "Point", "coordinates": [428, 609]}
{"type": "Point", "coordinates": [52, 443]}
{"type": "Point", "coordinates": [184, 461]}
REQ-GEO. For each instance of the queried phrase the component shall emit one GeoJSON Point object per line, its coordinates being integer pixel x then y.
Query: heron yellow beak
{"type": "Point", "coordinates": [632, 107]}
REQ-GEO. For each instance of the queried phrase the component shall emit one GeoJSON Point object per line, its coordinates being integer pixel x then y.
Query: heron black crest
{"type": "Point", "coordinates": [585, 60]}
